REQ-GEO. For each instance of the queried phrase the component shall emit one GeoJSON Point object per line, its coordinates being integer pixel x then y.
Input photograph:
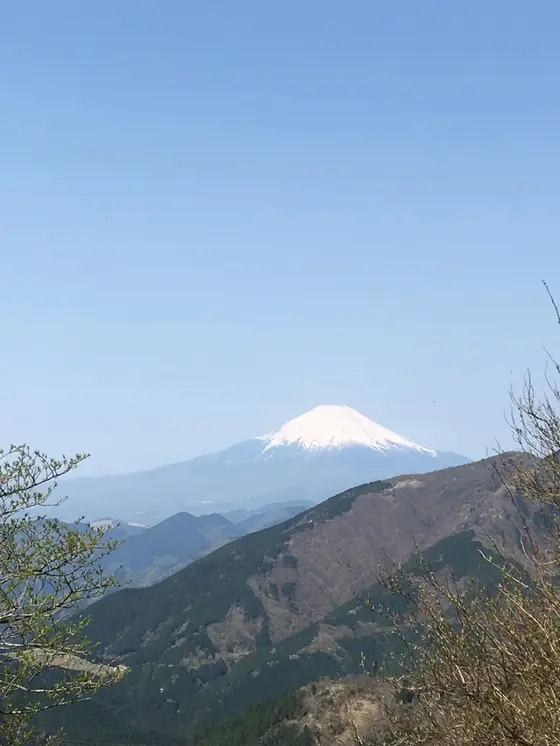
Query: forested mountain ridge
{"type": "Point", "coordinates": [277, 600]}
{"type": "Point", "coordinates": [291, 574]}
{"type": "Point", "coordinates": [179, 701]}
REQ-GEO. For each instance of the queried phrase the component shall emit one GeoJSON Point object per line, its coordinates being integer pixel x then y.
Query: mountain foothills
{"type": "Point", "coordinates": [151, 554]}
{"type": "Point", "coordinates": [276, 610]}
{"type": "Point", "coordinates": [148, 554]}
{"type": "Point", "coordinates": [326, 450]}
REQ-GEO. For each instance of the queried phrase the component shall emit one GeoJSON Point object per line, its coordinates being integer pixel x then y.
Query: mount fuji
{"type": "Point", "coordinates": [330, 427]}
{"type": "Point", "coordinates": [324, 451]}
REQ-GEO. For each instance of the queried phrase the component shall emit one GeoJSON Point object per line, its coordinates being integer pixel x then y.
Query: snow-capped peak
{"type": "Point", "coordinates": [334, 426]}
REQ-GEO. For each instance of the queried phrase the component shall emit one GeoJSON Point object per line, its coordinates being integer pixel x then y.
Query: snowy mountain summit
{"type": "Point", "coordinates": [335, 427]}
{"type": "Point", "coordinates": [314, 456]}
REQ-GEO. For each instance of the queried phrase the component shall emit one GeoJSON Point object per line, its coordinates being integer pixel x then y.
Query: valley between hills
{"type": "Point", "coordinates": [227, 643]}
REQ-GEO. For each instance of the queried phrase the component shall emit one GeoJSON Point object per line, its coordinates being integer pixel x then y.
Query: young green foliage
{"type": "Point", "coordinates": [48, 569]}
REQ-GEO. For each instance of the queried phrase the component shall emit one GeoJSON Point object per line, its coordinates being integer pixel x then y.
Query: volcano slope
{"type": "Point", "coordinates": [275, 609]}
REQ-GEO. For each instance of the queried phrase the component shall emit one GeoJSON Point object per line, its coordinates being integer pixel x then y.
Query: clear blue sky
{"type": "Point", "coordinates": [216, 215]}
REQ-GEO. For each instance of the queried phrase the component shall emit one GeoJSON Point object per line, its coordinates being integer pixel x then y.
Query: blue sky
{"type": "Point", "coordinates": [216, 215]}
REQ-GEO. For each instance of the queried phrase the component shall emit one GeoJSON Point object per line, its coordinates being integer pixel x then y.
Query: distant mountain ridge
{"type": "Point", "coordinates": [326, 450]}
{"type": "Point", "coordinates": [150, 555]}
{"type": "Point", "coordinates": [146, 555]}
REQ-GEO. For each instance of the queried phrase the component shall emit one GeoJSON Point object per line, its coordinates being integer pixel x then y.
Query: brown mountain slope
{"type": "Point", "coordinates": [265, 586]}
{"type": "Point", "coordinates": [328, 559]}
{"type": "Point", "coordinates": [328, 712]}
{"type": "Point", "coordinates": [344, 712]}
{"type": "Point", "coordinates": [198, 643]}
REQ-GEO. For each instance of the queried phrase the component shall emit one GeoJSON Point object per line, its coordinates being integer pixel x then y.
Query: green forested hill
{"type": "Point", "coordinates": [270, 723]}
{"type": "Point", "coordinates": [274, 610]}
{"type": "Point", "coordinates": [186, 705]}
{"type": "Point", "coordinates": [182, 607]}
{"type": "Point", "coordinates": [289, 719]}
